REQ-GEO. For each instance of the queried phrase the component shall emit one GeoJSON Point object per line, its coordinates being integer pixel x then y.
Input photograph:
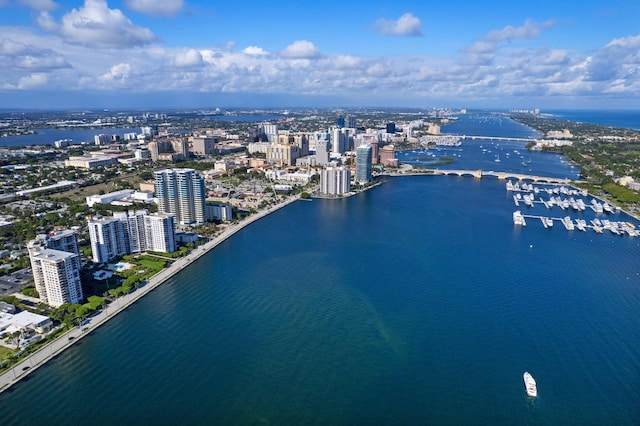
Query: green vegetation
{"type": "Point", "coordinates": [622, 194]}
{"type": "Point", "coordinates": [31, 292]}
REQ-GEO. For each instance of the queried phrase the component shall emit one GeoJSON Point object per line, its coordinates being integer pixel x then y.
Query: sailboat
{"type": "Point", "coordinates": [497, 160]}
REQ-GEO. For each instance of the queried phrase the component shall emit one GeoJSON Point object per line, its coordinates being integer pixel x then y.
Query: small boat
{"type": "Point", "coordinates": [530, 384]}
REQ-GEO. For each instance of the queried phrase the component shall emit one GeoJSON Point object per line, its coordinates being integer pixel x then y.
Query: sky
{"type": "Point", "coordinates": [561, 54]}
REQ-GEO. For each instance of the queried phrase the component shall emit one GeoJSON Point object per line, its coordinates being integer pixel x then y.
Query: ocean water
{"type": "Point", "coordinates": [626, 119]}
{"type": "Point", "coordinates": [49, 136]}
{"type": "Point", "coordinates": [416, 302]}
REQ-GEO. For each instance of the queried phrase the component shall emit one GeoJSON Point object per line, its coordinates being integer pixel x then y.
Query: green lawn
{"type": "Point", "coordinates": [6, 352]}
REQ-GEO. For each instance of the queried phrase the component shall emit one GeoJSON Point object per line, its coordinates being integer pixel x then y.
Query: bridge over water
{"type": "Point", "coordinates": [478, 174]}
{"type": "Point", "coordinates": [499, 138]}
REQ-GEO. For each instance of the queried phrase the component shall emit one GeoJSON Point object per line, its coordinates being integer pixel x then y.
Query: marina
{"type": "Point", "coordinates": [525, 193]}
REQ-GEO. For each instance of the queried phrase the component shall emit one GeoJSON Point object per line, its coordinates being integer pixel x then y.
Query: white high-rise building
{"type": "Point", "coordinates": [57, 276]}
{"type": "Point", "coordinates": [133, 223]}
{"type": "Point", "coordinates": [335, 181]}
{"type": "Point", "coordinates": [181, 192]}
{"type": "Point", "coordinates": [160, 232]}
{"type": "Point", "coordinates": [108, 239]}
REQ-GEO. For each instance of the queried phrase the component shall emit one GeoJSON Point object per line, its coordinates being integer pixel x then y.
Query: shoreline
{"type": "Point", "coordinates": [26, 366]}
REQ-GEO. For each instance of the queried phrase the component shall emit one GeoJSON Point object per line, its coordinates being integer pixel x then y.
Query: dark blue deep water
{"type": "Point", "coordinates": [416, 302]}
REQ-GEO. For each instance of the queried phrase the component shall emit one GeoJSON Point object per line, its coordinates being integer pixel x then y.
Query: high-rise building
{"type": "Point", "coordinates": [108, 239]}
{"type": "Point", "coordinates": [323, 145]}
{"type": "Point", "coordinates": [339, 140]}
{"type": "Point", "coordinates": [160, 232]}
{"type": "Point", "coordinates": [203, 145]}
{"type": "Point", "coordinates": [134, 230]}
{"type": "Point", "coordinates": [351, 122]}
{"type": "Point", "coordinates": [363, 163]}
{"type": "Point", "coordinates": [57, 276]}
{"type": "Point", "coordinates": [65, 241]}
{"type": "Point", "coordinates": [181, 192]}
{"type": "Point", "coordinates": [388, 156]}
{"type": "Point", "coordinates": [391, 127]}
{"type": "Point", "coordinates": [335, 181]}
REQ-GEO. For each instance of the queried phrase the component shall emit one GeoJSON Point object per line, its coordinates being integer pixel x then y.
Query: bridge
{"type": "Point", "coordinates": [478, 174]}
{"type": "Point", "coordinates": [499, 138]}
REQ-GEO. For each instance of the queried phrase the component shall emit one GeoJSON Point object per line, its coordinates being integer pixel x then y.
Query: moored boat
{"type": "Point", "coordinates": [530, 384]}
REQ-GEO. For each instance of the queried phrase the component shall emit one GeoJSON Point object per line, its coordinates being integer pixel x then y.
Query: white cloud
{"type": "Point", "coordinates": [117, 73]}
{"type": "Point", "coordinates": [95, 24]}
{"type": "Point", "coordinates": [530, 30]}
{"type": "Point", "coordinates": [300, 49]}
{"type": "Point", "coordinates": [188, 58]}
{"type": "Point", "coordinates": [406, 25]}
{"type": "Point", "coordinates": [254, 51]}
{"type": "Point", "coordinates": [33, 81]}
{"type": "Point", "coordinates": [156, 7]}
{"type": "Point", "coordinates": [41, 5]}
{"type": "Point", "coordinates": [20, 56]}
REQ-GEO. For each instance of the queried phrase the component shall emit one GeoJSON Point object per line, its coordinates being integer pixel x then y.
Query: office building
{"type": "Point", "coordinates": [182, 193]}
{"type": "Point", "coordinates": [323, 146]}
{"type": "Point", "coordinates": [363, 164]}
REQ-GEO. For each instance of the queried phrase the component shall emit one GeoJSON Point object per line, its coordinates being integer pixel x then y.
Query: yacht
{"type": "Point", "coordinates": [530, 384]}
{"type": "Point", "coordinates": [568, 223]}
{"type": "Point", "coordinates": [518, 218]}
{"type": "Point", "coordinates": [547, 222]}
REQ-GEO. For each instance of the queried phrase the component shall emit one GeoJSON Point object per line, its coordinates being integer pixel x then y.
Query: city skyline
{"type": "Point", "coordinates": [175, 53]}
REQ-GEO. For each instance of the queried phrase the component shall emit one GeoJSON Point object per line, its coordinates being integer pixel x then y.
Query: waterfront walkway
{"type": "Point", "coordinates": [34, 361]}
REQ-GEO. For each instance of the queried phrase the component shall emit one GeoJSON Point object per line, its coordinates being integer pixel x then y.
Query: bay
{"type": "Point", "coordinates": [416, 302]}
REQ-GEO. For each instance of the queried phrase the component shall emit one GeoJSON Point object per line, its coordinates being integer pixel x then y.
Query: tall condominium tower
{"type": "Point", "coordinates": [160, 234]}
{"type": "Point", "coordinates": [363, 163]}
{"type": "Point", "coordinates": [181, 192]}
{"type": "Point", "coordinates": [335, 181]}
{"type": "Point", "coordinates": [56, 275]}
{"type": "Point", "coordinates": [108, 239]}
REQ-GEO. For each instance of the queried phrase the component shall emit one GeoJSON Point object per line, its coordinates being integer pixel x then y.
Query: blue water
{"type": "Point", "coordinates": [416, 302]}
{"type": "Point", "coordinates": [49, 136]}
{"type": "Point", "coordinates": [627, 119]}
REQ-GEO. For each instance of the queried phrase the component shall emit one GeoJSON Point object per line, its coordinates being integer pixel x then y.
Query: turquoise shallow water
{"type": "Point", "coordinates": [416, 302]}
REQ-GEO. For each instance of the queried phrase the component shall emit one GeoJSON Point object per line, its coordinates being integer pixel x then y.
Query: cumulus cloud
{"type": "Point", "coordinates": [40, 5]}
{"type": "Point", "coordinates": [301, 49]}
{"type": "Point", "coordinates": [407, 25]}
{"type": "Point", "coordinates": [119, 72]}
{"type": "Point", "coordinates": [33, 81]}
{"type": "Point", "coordinates": [619, 58]}
{"type": "Point", "coordinates": [156, 7]}
{"type": "Point", "coordinates": [17, 55]}
{"type": "Point", "coordinates": [188, 59]}
{"type": "Point", "coordinates": [95, 24]}
{"type": "Point", "coordinates": [254, 51]}
{"type": "Point", "coordinates": [530, 30]}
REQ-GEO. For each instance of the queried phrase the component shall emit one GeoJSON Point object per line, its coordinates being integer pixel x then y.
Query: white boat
{"type": "Point", "coordinates": [530, 384]}
{"type": "Point", "coordinates": [547, 222]}
{"type": "Point", "coordinates": [568, 223]}
{"type": "Point", "coordinates": [518, 218]}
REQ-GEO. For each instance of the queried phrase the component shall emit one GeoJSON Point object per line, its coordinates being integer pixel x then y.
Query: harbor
{"type": "Point", "coordinates": [567, 199]}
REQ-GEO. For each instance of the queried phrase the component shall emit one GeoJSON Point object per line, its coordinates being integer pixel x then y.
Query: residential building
{"type": "Point", "coordinates": [220, 212]}
{"type": "Point", "coordinates": [335, 181]}
{"type": "Point", "coordinates": [57, 276]}
{"type": "Point", "coordinates": [108, 240]}
{"type": "Point", "coordinates": [181, 192]}
{"type": "Point", "coordinates": [160, 232]}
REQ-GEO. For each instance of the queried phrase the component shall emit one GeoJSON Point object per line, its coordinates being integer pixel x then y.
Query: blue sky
{"type": "Point", "coordinates": [182, 53]}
